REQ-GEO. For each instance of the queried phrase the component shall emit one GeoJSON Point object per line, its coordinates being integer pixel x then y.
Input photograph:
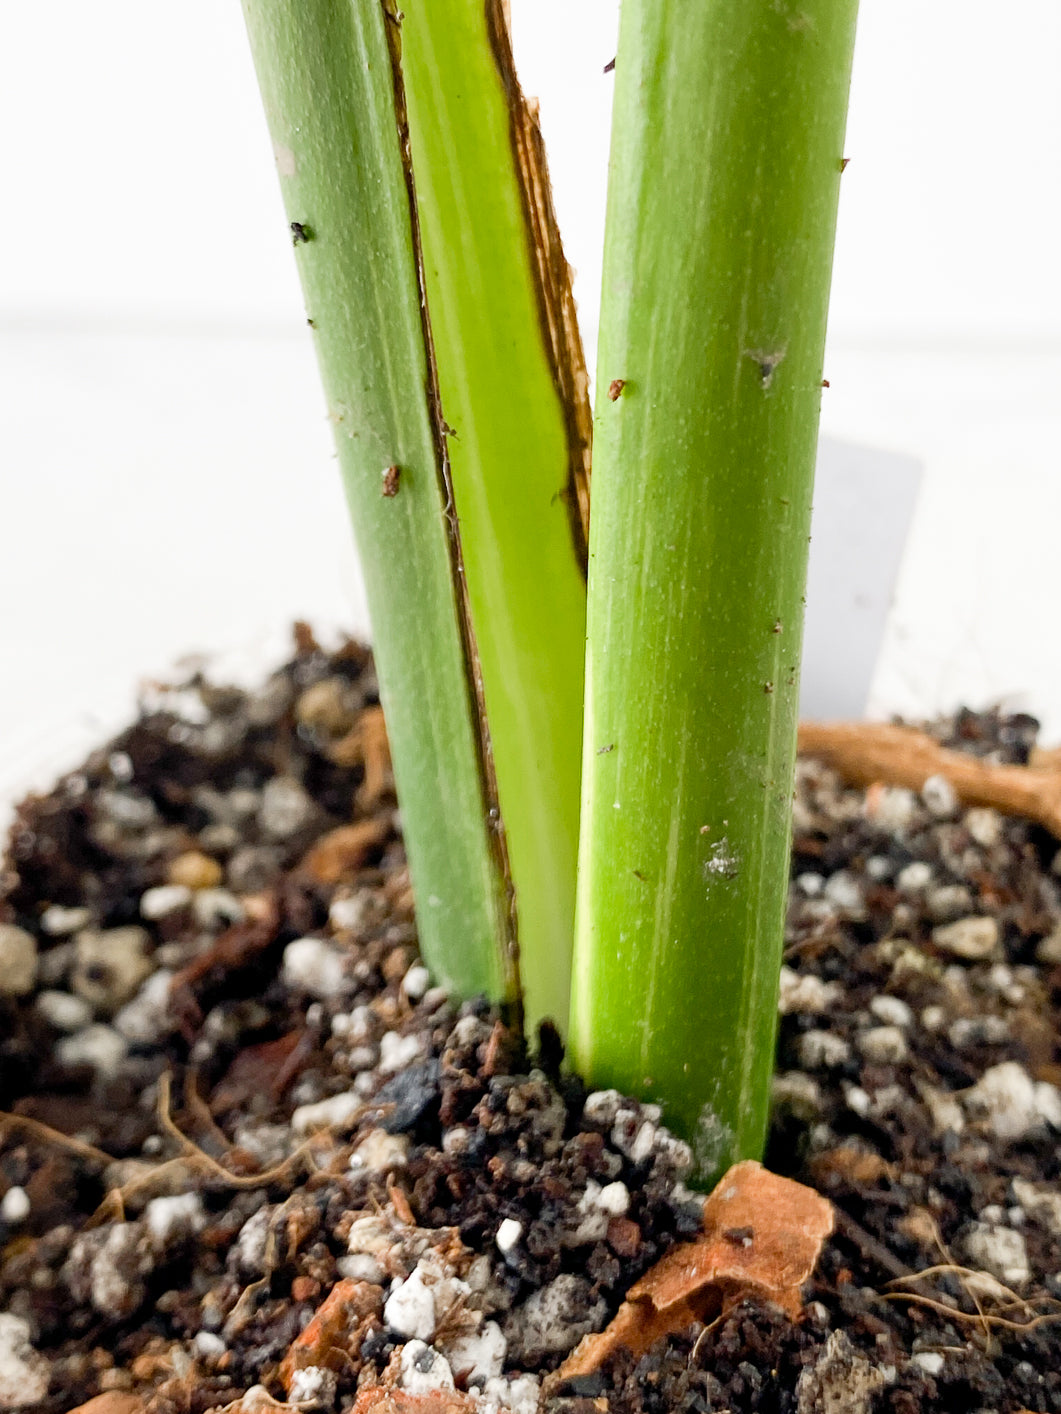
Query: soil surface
{"type": "Point", "coordinates": [246, 1144]}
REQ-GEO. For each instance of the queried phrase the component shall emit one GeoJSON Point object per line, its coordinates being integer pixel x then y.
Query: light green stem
{"type": "Point", "coordinates": [725, 171]}
{"type": "Point", "coordinates": [513, 387]}
{"type": "Point", "coordinates": [329, 86]}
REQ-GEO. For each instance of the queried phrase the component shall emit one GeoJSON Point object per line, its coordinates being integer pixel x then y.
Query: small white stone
{"type": "Point", "coordinates": [410, 1308]}
{"type": "Point", "coordinates": [416, 981]}
{"type": "Point", "coordinates": [508, 1234]}
{"type": "Point", "coordinates": [24, 1373]}
{"type": "Point", "coordinates": [18, 961]}
{"type": "Point", "coordinates": [208, 1346]}
{"type": "Point", "coordinates": [944, 1110]}
{"type": "Point", "coordinates": [894, 808]}
{"type": "Point", "coordinates": [1004, 1097]}
{"type": "Point", "coordinates": [253, 1241]}
{"type": "Point", "coordinates": [111, 966]}
{"type": "Point", "coordinates": [15, 1206]}
{"type": "Point", "coordinates": [810, 884]}
{"type": "Point", "coordinates": [974, 939]}
{"type": "Point", "coordinates": [858, 1100]}
{"type": "Point", "coordinates": [337, 1113]}
{"type": "Point", "coordinates": [521, 1395]}
{"type": "Point", "coordinates": [315, 966]}
{"type": "Point", "coordinates": [173, 1219]}
{"type": "Point", "coordinates": [940, 797]}
{"type": "Point", "coordinates": [165, 899]}
{"type": "Point", "coordinates": [424, 1369]}
{"type": "Point", "coordinates": [58, 921]}
{"type": "Point", "coordinates": [1049, 949]}
{"type": "Point", "coordinates": [380, 1152]}
{"type": "Point", "coordinates": [614, 1198]}
{"type": "Point", "coordinates": [479, 1357]}
{"type": "Point", "coordinates": [893, 1011]}
{"type": "Point", "coordinates": [361, 1267]}
{"type": "Point", "coordinates": [999, 1251]}
{"type": "Point", "coordinates": [802, 993]}
{"type": "Point", "coordinates": [216, 907]}
{"type": "Point", "coordinates": [914, 878]}
{"type": "Point", "coordinates": [348, 914]}
{"type": "Point", "coordinates": [313, 1384]}
{"type": "Point", "coordinates": [147, 1018]}
{"type": "Point", "coordinates": [844, 891]}
{"type": "Point", "coordinates": [949, 901]}
{"type": "Point", "coordinates": [1048, 1103]}
{"type": "Point", "coordinates": [931, 1361]}
{"type": "Point", "coordinates": [985, 826]}
{"type": "Point", "coordinates": [601, 1106]}
{"type": "Point", "coordinates": [879, 867]}
{"type": "Point", "coordinates": [99, 1047]}
{"type": "Point", "coordinates": [822, 1050]}
{"type": "Point", "coordinates": [396, 1052]}
{"type": "Point", "coordinates": [64, 1011]}
{"type": "Point", "coordinates": [933, 1017]}
{"type": "Point", "coordinates": [883, 1045]}
{"type": "Point", "coordinates": [798, 1093]}
{"type": "Point", "coordinates": [1040, 1202]}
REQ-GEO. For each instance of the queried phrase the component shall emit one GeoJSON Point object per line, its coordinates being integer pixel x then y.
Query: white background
{"type": "Point", "coordinates": [168, 481]}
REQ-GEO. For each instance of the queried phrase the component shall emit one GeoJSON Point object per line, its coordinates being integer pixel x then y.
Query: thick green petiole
{"type": "Point", "coordinates": [333, 101]}
{"type": "Point", "coordinates": [513, 386]}
{"type": "Point", "coordinates": [726, 158]}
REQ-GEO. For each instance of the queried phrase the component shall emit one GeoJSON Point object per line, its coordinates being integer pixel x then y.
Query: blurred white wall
{"type": "Point", "coordinates": [168, 478]}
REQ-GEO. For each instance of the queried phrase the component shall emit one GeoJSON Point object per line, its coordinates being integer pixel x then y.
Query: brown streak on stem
{"type": "Point", "coordinates": [507, 917]}
{"type": "Point", "coordinates": [556, 301]}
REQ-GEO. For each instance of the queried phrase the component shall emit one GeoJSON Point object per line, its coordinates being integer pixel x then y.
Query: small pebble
{"type": "Point", "coordinates": [974, 939]}
{"type": "Point", "coordinates": [999, 1251]}
{"type": "Point", "coordinates": [415, 982]}
{"type": "Point", "coordinates": [1010, 1102]}
{"type": "Point", "coordinates": [914, 878]}
{"type": "Point", "coordinates": [844, 891]}
{"type": "Point", "coordinates": [396, 1052]}
{"type": "Point", "coordinates": [614, 1198]}
{"type": "Point", "coordinates": [148, 1017]}
{"type": "Point", "coordinates": [883, 1045]}
{"type": "Point", "coordinates": [99, 1047]}
{"type": "Point", "coordinates": [822, 1050]}
{"type": "Point", "coordinates": [208, 1346]}
{"type": "Point", "coordinates": [24, 1373]}
{"type": "Point", "coordinates": [64, 1011]}
{"type": "Point", "coordinates": [893, 1011]}
{"type": "Point", "coordinates": [172, 1219]}
{"type": "Point", "coordinates": [217, 907]}
{"type": "Point", "coordinates": [423, 1369]}
{"type": "Point", "coordinates": [160, 902]}
{"type": "Point", "coordinates": [480, 1356]}
{"type": "Point", "coordinates": [940, 797]}
{"type": "Point", "coordinates": [18, 961]}
{"type": "Point", "coordinates": [985, 826]}
{"type": "Point", "coordinates": [110, 966]}
{"type": "Point", "coordinates": [315, 966]}
{"type": "Point", "coordinates": [804, 994]}
{"type": "Point", "coordinates": [58, 921]}
{"type": "Point", "coordinates": [15, 1206]}
{"type": "Point", "coordinates": [931, 1361]}
{"type": "Point", "coordinates": [410, 1308]}
{"type": "Point", "coordinates": [285, 808]}
{"type": "Point", "coordinates": [194, 870]}
{"type": "Point", "coordinates": [508, 1234]}
{"type": "Point", "coordinates": [380, 1152]}
{"type": "Point", "coordinates": [347, 914]}
{"type": "Point", "coordinates": [338, 1113]}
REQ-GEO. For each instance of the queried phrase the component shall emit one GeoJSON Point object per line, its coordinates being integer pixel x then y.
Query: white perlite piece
{"type": "Point", "coordinates": [893, 1011]}
{"type": "Point", "coordinates": [380, 1152]}
{"type": "Point", "coordinates": [111, 966]}
{"type": "Point", "coordinates": [804, 994]}
{"type": "Point", "coordinates": [396, 1052]}
{"type": "Point", "coordinates": [1042, 1204]}
{"type": "Point", "coordinates": [337, 1113]}
{"type": "Point", "coordinates": [914, 877]}
{"type": "Point", "coordinates": [64, 1011]}
{"type": "Point", "coordinates": [478, 1357]}
{"type": "Point", "coordinates": [508, 1234]}
{"type": "Point", "coordinates": [313, 1385]}
{"type": "Point", "coordinates": [940, 797]}
{"type": "Point", "coordinates": [985, 825]}
{"type": "Point", "coordinates": [165, 899]}
{"type": "Point", "coordinates": [59, 922]}
{"type": "Point", "coordinates": [315, 966]}
{"type": "Point", "coordinates": [614, 1198]}
{"type": "Point", "coordinates": [18, 961]}
{"type": "Point", "coordinates": [348, 914]}
{"type": "Point", "coordinates": [822, 1050]}
{"type": "Point", "coordinates": [99, 1047]}
{"type": "Point", "coordinates": [999, 1251]}
{"type": "Point", "coordinates": [172, 1219]}
{"type": "Point", "coordinates": [842, 1381]}
{"type": "Point", "coordinates": [23, 1372]}
{"type": "Point", "coordinates": [416, 982]}
{"type": "Point", "coordinates": [15, 1206]}
{"type": "Point", "coordinates": [973, 939]}
{"type": "Point", "coordinates": [931, 1361]}
{"type": "Point", "coordinates": [883, 1045]}
{"type": "Point", "coordinates": [520, 1395]}
{"type": "Point", "coordinates": [1011, 1103]}
{"type": "Point", "coordinates": [147, 1017]}
{"type": "Point", "coordinates": [424, 1369]}
{"type": "Point", "coordinates": [410, 1309]}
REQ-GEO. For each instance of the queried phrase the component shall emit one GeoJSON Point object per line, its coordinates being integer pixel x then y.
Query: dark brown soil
{"type": "Point", "coordinates": [257, 1100]}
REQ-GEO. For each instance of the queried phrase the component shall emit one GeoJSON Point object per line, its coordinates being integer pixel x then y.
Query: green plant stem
{"type": "Point", "coordinates": [513, 387]}
{"type": "Point", "coordinates": [326, 75]}
{"type": "Point", "coordinates": [726, 159]}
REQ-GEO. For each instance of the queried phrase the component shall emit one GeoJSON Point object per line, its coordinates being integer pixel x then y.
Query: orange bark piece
{"type": "Point", "coordinates": [342, 851]}
{"type": "Point", "coordinates": [380, 1399]}
{"type": "Point", "coordinates": [762, 1236]}
{"type": "Point", "coordinates": [869, 752]}
{"type": "Point", "coordinates": [113, 1402]}
{"type": "Point", "coordinates": [339, 1315]}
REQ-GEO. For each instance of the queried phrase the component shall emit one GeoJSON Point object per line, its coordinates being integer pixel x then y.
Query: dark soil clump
{"type": "Point", "coordinates": [248, 1144]}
